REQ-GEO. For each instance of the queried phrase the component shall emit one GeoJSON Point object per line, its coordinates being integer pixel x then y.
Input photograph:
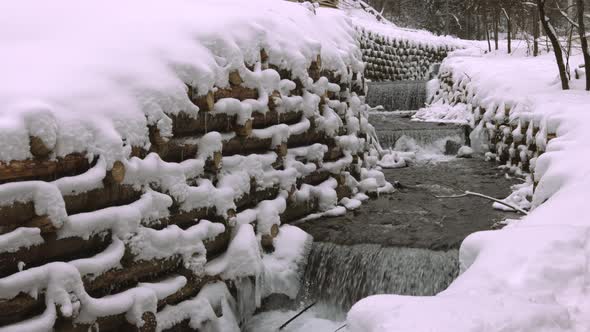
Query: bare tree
{"type": "Point", "coordinates": [552, 35]}
{"type": "Point", "coordinates": [536, 33]}
{"type": "Point", "coordinates": [584, 41]}
{"type": "Point", "coordinates": [505, 10]}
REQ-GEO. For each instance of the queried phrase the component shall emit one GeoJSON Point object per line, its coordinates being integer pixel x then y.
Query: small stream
{"type": "Point", "coordinates": [406, 243]}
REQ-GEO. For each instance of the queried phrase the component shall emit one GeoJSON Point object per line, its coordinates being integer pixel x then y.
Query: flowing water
{"type": "Point", "coordinates": [399, 95]}
{"type": "Point", "coordinates": [390, 128]}
{"type": "Point", "coordinates": [341, 275]}
{"type": "Point", "coordinates": [404, 244]}
{"type": "Point", "coordinates": [337, 276]}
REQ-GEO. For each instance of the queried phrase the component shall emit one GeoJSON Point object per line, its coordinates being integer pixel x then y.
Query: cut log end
{"type": "Point", "coordinates": [282, 150]}
{"type": "Point", "coordinates": [235, 78]}
{"type": "Point", "coordinates": [274, 100]}
{"type": "Point", "coordinates": [267, 240]}
{"type": "Point", "coordinates": [244, 130]}
{"type": "Point", "coordinates": [263, 55]}
{"type": "Point", "coordinates": [44, 223]}
{"type": "Point", "coordinates": [117, 173]}
{"type": "Point", "coordinates": [38, 147]}
{"type": "Point", "coordinates": [214, 162]}
{"type": "Point", "coordinates": [340, 179]}
{"type": "Point", "coordinates": [274, 230]}
{"type": "Point", "coordinates": [206, 102]}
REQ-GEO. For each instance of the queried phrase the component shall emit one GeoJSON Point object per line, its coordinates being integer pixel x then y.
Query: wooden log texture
{"type": "Point", "coordinates": [22, 214]}
{"type": "Point", "coordinates": [205, 102]}
{"type": "Point", "coordinates": [52, 249]}
{"type": "Point", "coordinates": [298, 210]}
{"type": "Point", "coordinates": [184, 125]}
{"type": "Point", "coordinates": [43, 170]}
{"type": "Point", "coordinates": [237, 92]}
{"type": "Point", "coordinates": [21, 307]}
{"type": "Point", "coordinates": [246, 145]}
{"type": "Point", "coordinates": [270, 118]}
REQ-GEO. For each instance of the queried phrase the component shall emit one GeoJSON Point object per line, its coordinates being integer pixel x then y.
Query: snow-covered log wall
{"type": "Point", "coordinates": [397, 59]}
{"type": "Point", "coordinates": [506, 132]}
{"type": "Point", "coordinates": [392, 53]}
{"type": "Point", "coordinates": [145, 177]}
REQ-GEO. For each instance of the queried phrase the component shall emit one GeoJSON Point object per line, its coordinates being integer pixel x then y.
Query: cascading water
{"type": "Point", "coordinates": [390, 128]}
{"type": "Point", "coordinates": [337, 276]}
{"type": "Point", "coordinates": [342, 275]}
{"type": "Point", "coordinates": [399, 95]}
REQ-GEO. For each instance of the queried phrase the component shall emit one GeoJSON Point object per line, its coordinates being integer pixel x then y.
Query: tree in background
{"type": "Point", "coordinates": [583, 41]}
{"type": "Point", "coordinates": [517, 21]}
{"type": "Point", "coordinates": [552, 35]}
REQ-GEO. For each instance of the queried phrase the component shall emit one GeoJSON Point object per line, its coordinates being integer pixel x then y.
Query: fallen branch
{"type": "Point", "coordinates": [469, 193]}
{"type": "Point", "coordinates": [340, 328]}
{"type": "Point", "coordinates": [299, 314]}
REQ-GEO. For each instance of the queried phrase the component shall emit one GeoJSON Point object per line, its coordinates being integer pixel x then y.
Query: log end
{"type": "Point", "coordinates": [117, 173]}
{"type": "Point", "coordinates": [282, 150]}
{"type": "Point", "coordinates": [235, 78]}
{"type": "Point", "coordinates": [38, 147]}
{"type": "Point", "coordinates": [213, 163]}
{"type": "Point", "coordinates": [244, 130]}
{"type": "Point", "coordinates": [43, 223]}
{"type": "Point", "coordinates": [206, 102]}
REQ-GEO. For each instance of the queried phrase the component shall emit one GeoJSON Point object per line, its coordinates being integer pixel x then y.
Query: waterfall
{"type": "Point", "coordinates": [399, 95]}
{"type": "Point", "coordinates": [421, 137]}
{"type": "Point", "coordinates": [342, 275]}
{"type": "Point", "coordinates": [391, 128]}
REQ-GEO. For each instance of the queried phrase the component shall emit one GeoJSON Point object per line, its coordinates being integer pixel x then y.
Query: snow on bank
{"type": "Point", "coordinates": [532, 275]}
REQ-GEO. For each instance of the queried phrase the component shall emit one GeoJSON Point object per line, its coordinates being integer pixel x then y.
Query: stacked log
{"type": "Point", "coordinates": [96, 235]}
{"type": "Point", "coordinates": [397, 59]}
{"type": "Point", "coordinates": [513, 141]}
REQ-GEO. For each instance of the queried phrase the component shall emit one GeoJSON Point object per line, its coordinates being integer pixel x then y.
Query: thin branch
{"type": "Point", "coordinates": [340, 328]}
{"type": "Point", "coordinates": [505, 13]}
{"type": "Point", "coordinates": [565, 15]}
{"type": "Point", "coordinates": [299, 314]}
{"type": "Point", "coordinates": [469, 193]}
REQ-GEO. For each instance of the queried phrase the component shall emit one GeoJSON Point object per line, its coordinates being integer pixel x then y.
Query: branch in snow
{"type": "Point", "coordinates": [469, 193]}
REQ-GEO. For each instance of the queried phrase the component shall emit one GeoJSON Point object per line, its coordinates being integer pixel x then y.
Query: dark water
{"type": "Point", "coordinates": [406, 243]}
{"type": "Point", "coordinates": [400, 95]}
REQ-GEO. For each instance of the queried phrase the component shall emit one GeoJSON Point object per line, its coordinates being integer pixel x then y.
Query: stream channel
{"type": "Point", "coordinates": [405, 243]}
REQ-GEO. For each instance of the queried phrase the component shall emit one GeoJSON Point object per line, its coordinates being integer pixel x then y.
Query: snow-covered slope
{"type": "Point", "coordinates": [534, 274]}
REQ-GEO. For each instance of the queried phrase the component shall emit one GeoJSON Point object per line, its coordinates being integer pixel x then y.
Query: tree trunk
{"type": "Point", "coordinates": [584, 41]}
{"type": "Point", "coordinates": [496, 26]}
{"type": "Point", "coordinates": [487, 30]}
{"type": "Point", "coordinates": [477, 27]}
{"type": "Point", "coordinates": [550, 32]}
{"type": "Point", "coordinates": [509, 27]}
{"type": "Point", "coordinates": [536, 33]}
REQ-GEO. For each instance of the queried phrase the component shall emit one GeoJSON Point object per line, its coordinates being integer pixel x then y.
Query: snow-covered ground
{"type": "Point", "coordinates": [533, 275]}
